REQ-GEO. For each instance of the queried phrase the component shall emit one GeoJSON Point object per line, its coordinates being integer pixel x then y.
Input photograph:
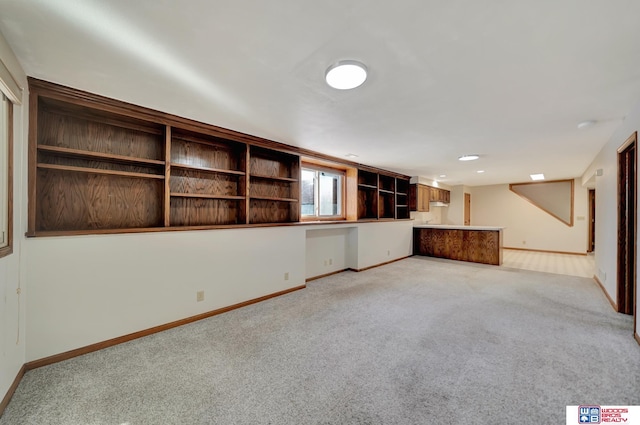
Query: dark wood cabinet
{"type": "Point", "coordinates": [98, 165]}
{"type": "Point", "coordinates": [478, 246]}
{"type": "Point", "coordinates": [420, 197]}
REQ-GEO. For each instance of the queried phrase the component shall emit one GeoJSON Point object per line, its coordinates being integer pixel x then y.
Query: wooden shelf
{"type": "Point", "coordinates": [206, 196]}
{"type": "Point", "coordinates": [273, 198]}
{"type": "Point", "coordinates": [284, 179]}
{"type": "Point", "coordinates": [386, 192]}
{"type": "Point", "coordinates": [206, 169]}
{"type": "Point", "coordinates": [99, 171]}
{"type": "Point", "coordinates": [367, 186]}
{"type": "Point", "coordinates": [79, 153]}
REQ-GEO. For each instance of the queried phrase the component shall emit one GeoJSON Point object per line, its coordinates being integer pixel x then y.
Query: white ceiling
{"type": "Point", "coordinates": [508, 80]}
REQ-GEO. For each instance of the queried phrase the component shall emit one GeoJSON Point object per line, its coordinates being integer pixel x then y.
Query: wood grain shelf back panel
{"type": "Point", "coordinates": [197, 182]}
{"type": "Point", "coordinates": [211, 156]}
{"type": "Point", "coordinates": [87, 201]}
{"type": "Point", "coordinates": [202, 211]}
{"type": "Point", "coordinates": [77, 133]}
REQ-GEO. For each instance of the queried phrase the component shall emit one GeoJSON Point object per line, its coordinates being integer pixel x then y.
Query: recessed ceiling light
{"type": "Point", "coordinates": [587, 123]}
{"type": "Point", "coordinates": [346, 74]}
{"type": "Point", "coordinates": [537, 177]}
{"type": "Point", "coordinates": [480, 171]}
{"type": "Point", "coordinates": [442, 176]}
{"type": "Point", "coordinates": [351, 155]}
{"type": "Point", "coordinates": [468, 157]}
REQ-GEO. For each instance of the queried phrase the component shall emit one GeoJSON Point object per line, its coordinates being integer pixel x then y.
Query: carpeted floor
{"type": "Point", "coordinates": [419, 341]}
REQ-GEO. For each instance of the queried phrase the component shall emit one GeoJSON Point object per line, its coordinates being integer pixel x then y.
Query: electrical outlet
{"type": "Point", "coordinates": [200, 296]}
{"type": "Point", "coordinates": [388, 253]}
{"type": "Point", "coordinates": [286, 276]}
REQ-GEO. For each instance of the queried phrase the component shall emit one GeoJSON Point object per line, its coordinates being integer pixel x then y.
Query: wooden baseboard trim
{"type": "Point", "coordinates": [125, 338]}
{"type": "Point", "coordinates": [637, 337]}
{"type": "Point", "coordinates": [545, 251]}
{"type": "Point", "coordinates": [12, 389]}
{"type": "Point", "coordinates": [381, 264]}
{"type": "Point", "coordinates": [325, 275]}
{"type": "Point", "coordinates": [604, 291]}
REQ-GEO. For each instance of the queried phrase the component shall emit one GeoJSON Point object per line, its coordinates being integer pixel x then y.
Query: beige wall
{"type": "Point", "coordinates": [606, 187]}
{"type": "Point", "coordinates": [527, 226]}
{"type": "Point", "coordinates": [12, 305]}
{"type": "Point", "coordinates": [87, 289]}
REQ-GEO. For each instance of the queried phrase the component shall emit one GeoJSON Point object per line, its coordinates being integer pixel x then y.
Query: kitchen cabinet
{"type": "Point", "coordinates": [439, 195]}
{"type": "Point", "coordinates": [464, 243]}
{"type": "Point", "coordinates": [419, 197]}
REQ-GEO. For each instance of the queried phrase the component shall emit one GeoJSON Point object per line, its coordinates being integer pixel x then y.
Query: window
{"type": "Point", "coordinates": [322, 193]}
{"type": "Point", "coordinates": [6, 178]}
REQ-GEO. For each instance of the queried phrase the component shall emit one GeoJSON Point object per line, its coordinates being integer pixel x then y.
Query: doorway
{"type": "Point", "coordinates": [591, 244]}
{"type": "Point", "coordinates": [627, 203]}
{"type": "Point", "coordinates": [467, 209]}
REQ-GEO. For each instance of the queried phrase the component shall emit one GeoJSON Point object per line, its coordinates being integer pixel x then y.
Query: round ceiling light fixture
{"type": "Point", "coordinates": [346, 75]}
{"type": "Point", "coordinates": [472, 157]}
{"type": "Point", "coordinates": [587, 123]}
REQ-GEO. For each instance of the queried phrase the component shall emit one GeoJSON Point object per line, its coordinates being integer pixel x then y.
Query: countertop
{"type": "Point", "coordinates": [456, 227]}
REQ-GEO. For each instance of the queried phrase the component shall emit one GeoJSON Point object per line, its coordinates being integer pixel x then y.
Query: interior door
{"type": "Point", "coordinates": [627, 225]}
{"type": "Point", "coordinates": [591, 245]}
{"type": "Point", "coordinates": [467, 209]}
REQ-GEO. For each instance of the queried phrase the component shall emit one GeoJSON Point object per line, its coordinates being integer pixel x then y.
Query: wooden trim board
{"type": "Point", "coordinates": [309, 279]}
{"type": "Point", "coordinates": [637, 337]}
{"type": "Point", "coordinates": [135, 335]}
{"type": "Point", "coordinates": [378, 265]}
{"type": "Point", "coordinates": [12, 389]}
{"type": "Point", "coordinates": [604, 291]}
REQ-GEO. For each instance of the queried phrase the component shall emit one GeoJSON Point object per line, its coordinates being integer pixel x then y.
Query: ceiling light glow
{"type": "Point", "coordinates": [351, 155]}
{"type": "Point", "coordinates": [442, 176]}
{"type": "Point", "coordinates": [537, 177]}
{"type": "Point", "coordinates": [587, 123]}
{"type": "Point", "coordinates": [480, 171]}
{"type": "Point", "coordinates": [471, 157]}
{"type": "Point", "coordinates": [346, 75]}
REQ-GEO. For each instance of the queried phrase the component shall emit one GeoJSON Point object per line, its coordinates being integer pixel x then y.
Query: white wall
{"type": "Point", "coordinates": [527, 226]}
{"type": "Point", "coordinates": [356, 245]}
{"type": "Point", "coordinates": [12, 305]}
{"type": "Point", "coordinates": [87, 289]}
{"type": "Point", "coordinates": [327, 250]}
{"type": "Point", "coordinates": [607, 205]}
{"type": "Point", "coordinates": [455, 211]}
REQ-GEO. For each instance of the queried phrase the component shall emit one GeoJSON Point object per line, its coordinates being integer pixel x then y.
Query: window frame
{"type": "Point", "coordinates": [7, 249]}
{"type": "Point", "coordinates": [343, 198]}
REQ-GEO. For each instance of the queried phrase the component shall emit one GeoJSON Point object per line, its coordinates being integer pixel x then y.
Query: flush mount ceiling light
{"type": "Point", "coordinates": [442, 176]}
{"type": "Point", "coordinates": [586, 124]}
{"type": "Point", "coordinates": [480, 171]}
{"type": "Point", "coordinates": [351, 155]}
{"type": "Point", "coordinates": [536, 177]}
{"type": "Point", "coordinates": [346, 74]}
{"type": "Point", "coordinates": [468, 157]}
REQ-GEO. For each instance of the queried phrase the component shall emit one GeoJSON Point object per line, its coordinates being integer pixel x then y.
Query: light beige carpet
{"type": "Point", "coordinates": [419, 341]}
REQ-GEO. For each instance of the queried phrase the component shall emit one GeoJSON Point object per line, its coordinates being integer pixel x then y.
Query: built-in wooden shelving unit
{"type": "Point", "coordinates": [97, 165]}
{"type": "Point", "coordinates": [382, 196]}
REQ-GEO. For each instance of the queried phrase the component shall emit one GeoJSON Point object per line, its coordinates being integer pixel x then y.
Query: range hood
{"type": "Point", "coordinates": [438, 204]}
